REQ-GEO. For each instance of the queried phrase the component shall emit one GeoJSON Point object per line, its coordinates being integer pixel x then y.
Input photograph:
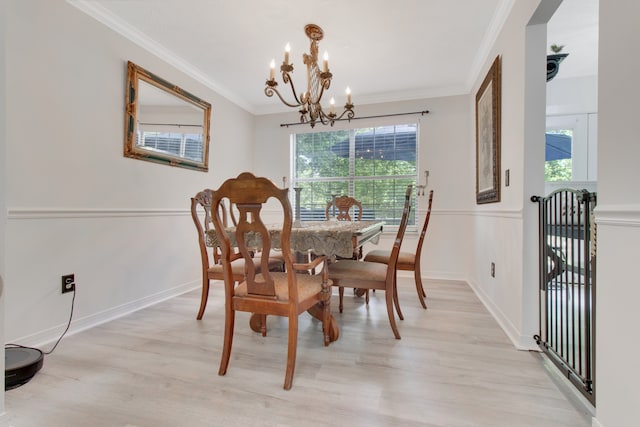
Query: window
{"type": "Point", "coordinates": [374, 165]}
{"type": "Point", "coordinates": [558, 164]}
{"type": "Point", "coordinates": [571, 148]}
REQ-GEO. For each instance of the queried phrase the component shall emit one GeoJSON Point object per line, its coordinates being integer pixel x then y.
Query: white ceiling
{"type": "Point", "coordinates": [383, 50]}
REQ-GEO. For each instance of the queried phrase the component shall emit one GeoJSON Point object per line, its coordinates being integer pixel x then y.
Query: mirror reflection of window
{"type": "Point", "coordinates": [184, 145]}
{"type": "Point", "coordinates": [168, 124]}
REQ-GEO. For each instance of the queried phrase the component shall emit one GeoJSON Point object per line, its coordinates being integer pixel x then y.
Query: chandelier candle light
{"type": "Point", "coordinates": [317, 82]}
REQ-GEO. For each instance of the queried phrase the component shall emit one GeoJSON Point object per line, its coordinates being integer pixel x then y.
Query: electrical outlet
{"type": "Point", "coordinates": [493, 269]}
{"type": "Point", "coordinates": [68, 283]}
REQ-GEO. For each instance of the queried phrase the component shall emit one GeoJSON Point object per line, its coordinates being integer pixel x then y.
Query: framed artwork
{"type": "Point", "coordinates": [488, 137]}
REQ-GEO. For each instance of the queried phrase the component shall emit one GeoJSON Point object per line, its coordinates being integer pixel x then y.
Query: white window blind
{"type": "Point", "coordinates": [373, 165]}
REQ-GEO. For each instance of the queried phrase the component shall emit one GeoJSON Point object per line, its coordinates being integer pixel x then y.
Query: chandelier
{"type": "Point", "coordinates": [318, 81]}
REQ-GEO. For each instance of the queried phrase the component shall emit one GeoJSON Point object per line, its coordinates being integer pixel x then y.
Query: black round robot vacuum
{"type": "Point", "coordinates": [21, 364]}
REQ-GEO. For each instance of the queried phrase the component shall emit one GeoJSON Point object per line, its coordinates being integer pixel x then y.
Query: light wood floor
{"type": "Point", "coordinates": [158, 367]}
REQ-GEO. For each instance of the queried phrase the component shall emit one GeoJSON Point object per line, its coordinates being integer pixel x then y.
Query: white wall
{"type": "Point", "coordinates": [618, 216]}
{"type": "Point", "coordinates": [572, 103]}
{"type": "Point", "coordinates": [533, 165]}
{"type": "Point", "coordinates": [501, 230]}
{"type": "Point", "coordinates": [572, 95]}
{"type": "Point", "coordinates": [3, 176]}
{"type": "Point", "coordinates": [584, 143]}
{"type": "Point", "coordinates": [443, 149]}
{"type": "Point", "coordinates": [75, 203]}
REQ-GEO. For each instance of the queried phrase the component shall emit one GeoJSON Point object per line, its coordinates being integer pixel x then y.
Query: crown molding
{"type": "Point", "coordinates": [123, 28]}
{"type": "Point", "coordinates": [482, 57]}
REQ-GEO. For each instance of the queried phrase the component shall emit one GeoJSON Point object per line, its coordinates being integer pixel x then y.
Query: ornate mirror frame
{"type": "Point", "coordinates": [163, 123]}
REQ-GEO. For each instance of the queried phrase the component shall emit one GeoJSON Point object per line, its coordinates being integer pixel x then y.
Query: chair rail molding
{"type": "Point", "coordinates": [618, 215]}
{"type": "Point", "coordinates": [59, 213]}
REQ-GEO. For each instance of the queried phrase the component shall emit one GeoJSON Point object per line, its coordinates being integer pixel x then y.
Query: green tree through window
{"type": "Point", "coordinates": [559, 169]}
{"type": "Point", "coordinates": [374, 165]}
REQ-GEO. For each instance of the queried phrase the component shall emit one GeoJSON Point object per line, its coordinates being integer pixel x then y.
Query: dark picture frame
{"type": "Point", "coordinates": [488, 136]}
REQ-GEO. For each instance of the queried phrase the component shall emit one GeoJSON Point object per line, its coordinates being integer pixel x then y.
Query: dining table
{"type": "Point", "coordinates": [330, 238]}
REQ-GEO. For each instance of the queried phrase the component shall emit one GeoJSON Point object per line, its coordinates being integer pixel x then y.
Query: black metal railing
{"type": "Point", "coordinates": [567, 284]}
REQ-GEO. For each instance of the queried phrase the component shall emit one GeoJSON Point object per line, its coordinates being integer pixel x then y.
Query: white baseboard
{"type": "Point", "coordinates": [521, 342]}
{"type": "Point", "coordinates": [568, 388]}
{"type": "Point", "coordinates": [434, 276]}
{"type": "Point", "coordinates": [50, 335]}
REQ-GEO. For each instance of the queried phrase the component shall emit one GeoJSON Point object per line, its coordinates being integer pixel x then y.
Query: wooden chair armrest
{"type": "Point", "coordinates": [234, 256]}
{"type": "Point", "coordinates": [309, 265]}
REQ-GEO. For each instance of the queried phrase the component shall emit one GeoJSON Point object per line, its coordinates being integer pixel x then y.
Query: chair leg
{"type": "Point", "coordinates": [263, 325]}
{"type": "Point", "coordinates": [326, 322]}
{"type": "Point", "coordinates": [229, 322]}
{"type": "Point", "coordinates": [204, 297]}
{"type": "Point", "coordinates": [341, 294]}
{"type": "Point", "coordinates": [392, 319]}
{"type": "Point", "coordinates": [419, 288]}
{"type": "Point", "coordinates": [291, 353]}
{"type": "Point", "coordinates": [396, 300]}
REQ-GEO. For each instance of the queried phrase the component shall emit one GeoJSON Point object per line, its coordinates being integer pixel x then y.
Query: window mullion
{"type": "Point", "coordinates": [352, 161]}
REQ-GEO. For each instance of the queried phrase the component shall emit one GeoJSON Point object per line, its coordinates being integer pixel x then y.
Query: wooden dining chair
{"type": "Point", "coordinates": [343, 205]}
{"type": "Point", "coordinates": [264, 292]}
{"type": "Point", "coordinates": [408, 261]}
{"type": "Point", "coordinates": [275, 257]}
{"type": "Point", "coordinates": [210, 253]}
{"type": "Point", "coordinates": [367, 275]}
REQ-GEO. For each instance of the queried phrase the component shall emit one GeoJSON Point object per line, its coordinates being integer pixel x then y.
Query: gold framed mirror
{"type": "Point", "coordinates": [163, 123]}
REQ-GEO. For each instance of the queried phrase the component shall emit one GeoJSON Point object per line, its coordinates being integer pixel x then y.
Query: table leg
{"type": "Point", "coordinates": [334, 331]}
{"type": "Point", "coordinates": [258, 323]}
